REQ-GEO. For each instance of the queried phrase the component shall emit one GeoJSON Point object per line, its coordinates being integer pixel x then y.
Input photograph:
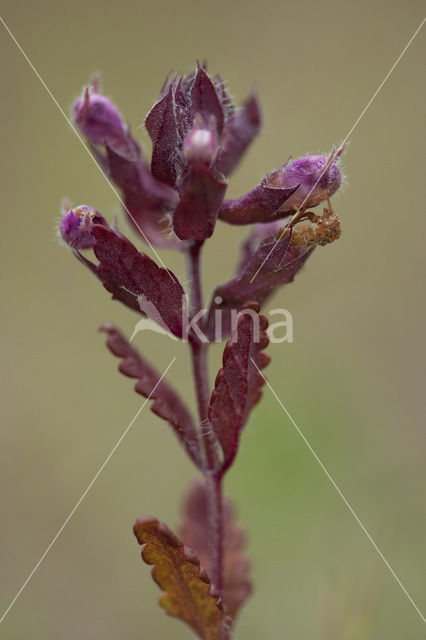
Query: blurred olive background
{"type": "Point", "coordinates": [353, 379]}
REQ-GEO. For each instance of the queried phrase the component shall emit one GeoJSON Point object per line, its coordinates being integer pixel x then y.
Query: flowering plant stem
{"type": "Point", "coordinates": [200, 372]}
{"type": "Point", "coordinates": [198, 137]}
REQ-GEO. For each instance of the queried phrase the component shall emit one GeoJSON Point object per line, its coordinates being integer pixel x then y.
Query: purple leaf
{"type": "Point", "coordinates": [204, 101]}
{"type": "Point", "coordinates": [118, 292]}
{"type": "Point", "coordinates": [261, 269]}
{"type": "Point", "coordinates": [131, 174]}
{"type": "Point", "coordinates": [226, 101]}
{"type": "Point", "coordinates": [145, 198]}
{"type": "Point", "coordinates": [239, 132]}
{"type": "Point", "coordinates": [161, 125]}
{"type": "Point", "coordinates": [167, 403]}
{"type": "Point", "coordinates": [201, 196]}
{"type": "Point", "coordinates": [123, 268]}
{"type": "Point", "coordinates": [238, 384]}
{"type": "Point", "coordinates": [262, 204]}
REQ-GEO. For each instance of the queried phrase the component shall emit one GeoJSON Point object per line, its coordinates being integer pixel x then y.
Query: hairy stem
{"type": "Point", "coordinates": [198, 347]}
{"type": "Point", "coordinates": [215, 499]}
{"type": "Point", "coordinates": [213, 480]}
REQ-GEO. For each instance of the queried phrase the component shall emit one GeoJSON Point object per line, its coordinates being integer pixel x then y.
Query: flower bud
{"type": "Point", "coordinates": [97, 117]}
{"type": "Point", "coordinates": [317, 177]}
{"type": "Point", "coordinates": [199, 146]}
{"type": "Point", "coordinates": [76, 226]}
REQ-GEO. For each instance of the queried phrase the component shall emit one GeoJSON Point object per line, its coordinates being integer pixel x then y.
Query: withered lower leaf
{"type": "Point", "coordinates": [195, 533]}
{"type": "Point", "coordinates": [177, 571]}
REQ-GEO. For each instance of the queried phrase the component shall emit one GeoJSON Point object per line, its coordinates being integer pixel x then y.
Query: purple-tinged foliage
{"type": "Point", "coordinates": [262, 204]}
{"type": "Point", "coordinates": [240, 130]}
{"type": "Point", "coordinates": [136, 280]}
{"type": "Point", "coordinates": [76, 226]}
{"type": "Point", "coordinates": [122, 265]}
{"type": "Point", "coordinates": [303, 183]}
{"type": "Point", "coordinates": [184, 102]}
{"type": "Point", "coordinates": [201, 192]}
{"type": "Point", "coordinates": [146, 199]}
{"type": "Point", "coordinates": [205, 102]}
{"type": "Point", "coordinates": [238, 384]}
{"type": "Point", "coordinates": [198, 137]}
{"type": "Point", "coordinates": [268, 261]}
{"type": "Point", "coordinates": [167, 403]}
{"type": "Point", "coordinates": [185, 126]}
{"type": "Point", "coordinates": [161, 125]}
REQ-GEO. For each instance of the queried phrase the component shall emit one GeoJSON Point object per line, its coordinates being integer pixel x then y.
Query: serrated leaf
{"type": "Point", "coordinates": [262, 269]}
{"type": "Point", "coordinates": [118, 292]}
{"type": "Point", "coordinates": [123, 268]}
{"type": "Point", "coordinates": [188, 594]}
{"type": "Point", "coordinates": [238, 384]}
{"type": "Point", "coordinates": [167, 403]}
{"type": "Point", "coordinates": [194, 532]}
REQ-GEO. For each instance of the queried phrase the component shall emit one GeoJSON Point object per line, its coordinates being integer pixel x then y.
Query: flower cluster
{"type": "Point", "coordinates": [198, 137]}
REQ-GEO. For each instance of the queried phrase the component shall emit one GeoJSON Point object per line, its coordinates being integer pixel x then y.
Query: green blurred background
{"type": "Point", "coordinates": [353, 379]}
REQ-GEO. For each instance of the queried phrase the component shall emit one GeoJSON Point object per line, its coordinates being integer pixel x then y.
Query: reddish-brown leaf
{"type": "Point", "coordinates": [239, 382]}
{"type": "Point", "coordinates": [162, 127]}
{"type": "Point", "coordinates": [263, 268]}
{"type": "Point", "coordinates": [239, 132]}
{"type": "Point", "coordinates": [194, 533]}
{"type": "Point", "coordinates": [204, 101]}
{"type": "Point", "coordinates": [263, 204]}
{"type": "Point", "coordinates": [145, 198]}
{"type": "Point", "coordinates": [123, 268]}
{"type": "Point", "coordinates": [201, 192]}
{"type": "Point", "coordinates": [167, 403]}
{"type": "Point", "coordinates": [177, 571]}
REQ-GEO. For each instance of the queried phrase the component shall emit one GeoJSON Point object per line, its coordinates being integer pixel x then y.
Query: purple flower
{"type": "Point", "coordinates": [98, 118]}
{"type": "Point", "coordinates": [303, 183]}
{"type": "Point", "coordinates": [76, 226]}
{"type": "Point", "coordinates": [198, 137]}
{"type": "Point", "coordinates": [315, 177]}
{"type": "Point", "coordinates": [200, 145]}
